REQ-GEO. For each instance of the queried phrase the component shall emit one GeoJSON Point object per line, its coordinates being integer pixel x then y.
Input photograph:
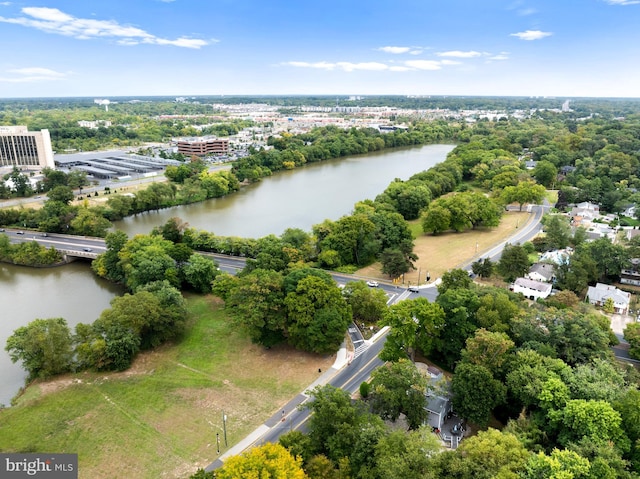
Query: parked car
{"type": "Point", "coordinates": [372, 284]}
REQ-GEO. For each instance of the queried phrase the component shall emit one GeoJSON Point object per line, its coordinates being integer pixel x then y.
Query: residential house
{"type": "Point", "coordinates": [531, 289]}
{"type": "Point", "coordinates": [559, 256]}
{"type": "Point", "coordinates": [541, 272]}
{"type": "Point", "coordinates": [438, 405]}
{"type": "Point", "coordinates": [600, 293]}
{"type": "Point", "coordinates": [585, 210]}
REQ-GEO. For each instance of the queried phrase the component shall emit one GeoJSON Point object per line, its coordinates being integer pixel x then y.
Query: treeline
{"type": "Point", "coordinates": [333, 142]}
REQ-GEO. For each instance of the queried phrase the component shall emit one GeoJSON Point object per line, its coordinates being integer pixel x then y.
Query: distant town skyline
{"type": "Point", "coordinates": [571, 48]}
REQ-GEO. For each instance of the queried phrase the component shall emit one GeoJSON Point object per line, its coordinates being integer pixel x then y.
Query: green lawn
{"type": "Point", "coordinates": [160, 417]}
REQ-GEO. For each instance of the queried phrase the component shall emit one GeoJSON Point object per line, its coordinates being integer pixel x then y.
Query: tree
{"type": "Point", "coordinates": [632, 336]}
{"type": "Point", "coordinates": [460, 307]}
{"type": "Point", "coordinates": [545, 173]}
{"type": "Point", "coordinates": [399, 388]}
{"type": "Point", "coordinates": [44, 346]}
{"type": "Point", "coordinates": [317, 315]}
{"type": "Point", "coordinates": [483, 268]}
{"type": "Point", "coordinates": [415, 326]}
{"type": "Point", "coordinates": [476, 393]}
{"type": "Point", "coordinates": [488, 349]}
{"type": "Point", "coordinates": [514, 262]}
{"type": "Point", "coordinates": [146, 258]}
{"type": "Point", "coordinates": [269, 461]}
{"type": "Point", "coordinates": [256, 301]}
{"type": "Point", "coordinates": [395, 262]}
{"type": "Point", "coordinates": [557, 231]}
{"type": "Point", "coordinates": [523, 192]}
{"type": "Point", "coordinates": [89, 223]}
{"type": "Point", "coordinates": [200, 272]}
{"type": "Point", "coordinates": [401, 455]}
{"type": "Point", "coordinates": [454, 279]}
{"type": "Point", "coordinates": [561, 464]}
{"type": "Point", "coordinates": [367, 304]}
{"type": "Point", "coordinates": [596, 420]}
{"type": "Point", "coordinates": [436, 219]}
{"type": "Point", "coordinates": [107, 265]}
{"type": "Point", "coordinates": [493, 453]}
{"type": "Point", "coordinates": [63, 194]}
{"type": "Point", "coordinates": [335, 423]}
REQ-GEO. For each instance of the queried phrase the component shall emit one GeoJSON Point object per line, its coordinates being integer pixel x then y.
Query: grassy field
{"type": "Point", "coordinates": [160, 418]}
{"type": "Point", "coordinates": [437, 254]}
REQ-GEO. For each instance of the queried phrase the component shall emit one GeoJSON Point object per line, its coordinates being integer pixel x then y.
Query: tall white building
{"type": "Point", "coordinates": [22, 148]}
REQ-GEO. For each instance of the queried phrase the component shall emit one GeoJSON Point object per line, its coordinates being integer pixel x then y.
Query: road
{"type": "Point", "coordinates": [82, 246]}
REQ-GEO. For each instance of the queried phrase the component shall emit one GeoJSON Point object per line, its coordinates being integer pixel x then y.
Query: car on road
{"type": "Point", "coordinates": [87, 249]}
{"type": "Point", "coordinates": [1, 230]}
{"type": "Point", "coordinates": [372, 284]}
{"type": "Point", "coordinates": [414, 289]}
{"type": "Point", "coordinates": [20, 232]}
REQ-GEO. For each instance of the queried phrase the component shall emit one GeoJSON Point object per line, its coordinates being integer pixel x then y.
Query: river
{"type": "Point", "coordinates": [291, 199]}
{"type": "Point", "coordinates": [297, 198]}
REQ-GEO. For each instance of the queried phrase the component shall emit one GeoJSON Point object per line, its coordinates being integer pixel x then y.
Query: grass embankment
{"type": "Point", "coordinates": [440, 253]}
{"type": "Point", "coordinates": [160, 418]}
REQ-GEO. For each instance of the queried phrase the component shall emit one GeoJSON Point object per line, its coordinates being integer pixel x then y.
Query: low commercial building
{"type": "Point", "coordinates": [22, 148]}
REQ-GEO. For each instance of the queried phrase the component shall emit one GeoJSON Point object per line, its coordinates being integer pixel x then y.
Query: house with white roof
{"type": "Point", "coordinates": [531, 289]}
{"type": "Point", "coordinates": [600, 293]}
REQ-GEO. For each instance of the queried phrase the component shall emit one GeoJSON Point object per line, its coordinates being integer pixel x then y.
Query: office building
{"type": "Point", "coordinates": [203, 146]}
{"type": "Point", "coordinates": [22, 148]}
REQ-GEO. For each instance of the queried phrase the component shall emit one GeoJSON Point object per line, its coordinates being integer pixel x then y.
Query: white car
{"type": "Point", "coordinates": [372, 284]}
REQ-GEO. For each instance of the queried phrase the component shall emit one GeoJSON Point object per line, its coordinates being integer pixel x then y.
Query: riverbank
{"type": "Point", "coordinates": [168, 407]}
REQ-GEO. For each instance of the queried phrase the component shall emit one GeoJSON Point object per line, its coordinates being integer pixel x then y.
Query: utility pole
{"type": "Point", "coordinates": [224, 426]}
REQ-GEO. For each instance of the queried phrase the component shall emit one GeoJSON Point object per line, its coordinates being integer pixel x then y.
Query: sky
{"type": "Point", "coordinates": [560, 48]}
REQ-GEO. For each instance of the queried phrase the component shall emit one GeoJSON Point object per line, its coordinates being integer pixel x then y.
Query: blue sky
{"type": "Point", "coordinates": [418, 47]}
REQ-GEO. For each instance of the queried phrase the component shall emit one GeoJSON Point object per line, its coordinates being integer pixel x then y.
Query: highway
{"type": "Point", "coordinates": [80, 246]}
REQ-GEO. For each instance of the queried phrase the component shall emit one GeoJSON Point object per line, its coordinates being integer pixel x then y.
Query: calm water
{"type": "Point", "coordinates": [296, 199]}
{"type": "Point", "coordinates": [71, 292]}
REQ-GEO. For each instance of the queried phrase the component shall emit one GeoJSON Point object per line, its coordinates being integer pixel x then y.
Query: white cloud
{"type": "Point", "coordinates": [345, 66]}
{"type": "Point", "coordinates": [32, 74]}
{"type": "Point", "coordinates": [500, 56]}
{"type": "Point", "coordinates": [408, 65]}
{"type": "Point", "coordinates": [52, 20]}
{"type": "Point", "coordinates": [395, 50]}
{"type": "Point", "coordinates": [532, 34]}
{"type": "Point", "coordinates": [622, 2]}
{"type": "Point", "coordinates": [5, 4]}
{"type": "Point", "coordinates": [459, 54]}
{"type": "Point", "coordinates": [416, 52]}
{"type": "Point", "coordinates": [527, 11]}
{"type": "Point", "coordinates": [424, 64]}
